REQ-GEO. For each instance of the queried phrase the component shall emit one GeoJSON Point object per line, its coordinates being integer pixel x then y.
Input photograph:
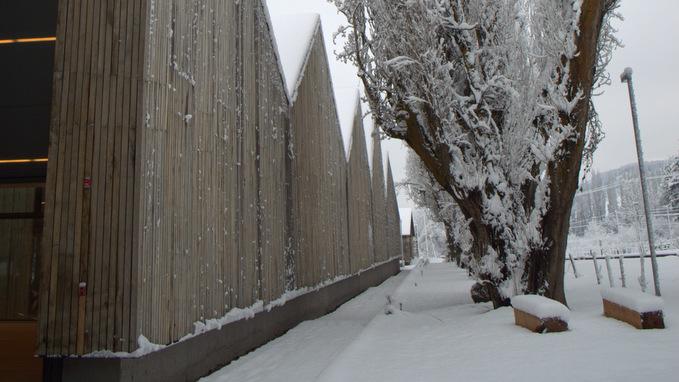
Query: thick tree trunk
{"type": "Point", "coordinates": [485, 238]}
{"type": "Point", "coordinates": [545, 268]}
{"type": "Point", "coordinates": [454, 252]}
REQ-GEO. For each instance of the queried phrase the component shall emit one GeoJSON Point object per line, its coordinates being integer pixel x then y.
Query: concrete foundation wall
{"type": "Point", "coordinates": [199, 356]}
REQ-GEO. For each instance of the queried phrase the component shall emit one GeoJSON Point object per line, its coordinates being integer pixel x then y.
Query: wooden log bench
{"type": "Point", "coordinates": [540, 314]}
{"type": "Point", "coordinates": [636, 308]}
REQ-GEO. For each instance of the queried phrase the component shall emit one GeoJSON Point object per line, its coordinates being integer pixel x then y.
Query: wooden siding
{"type": "Point", "coordinates": [361, 247]}
{"type": "Point", "coordinates": [393, 234]}
{"type": "Point", "coordinates": [92, 178]}
{"type": "Point", "coordinates": [213, 166]}
{"type": "Point", "coordinates": [273, 127]}
{"type": "Point", "coordinates": [379, 204]}
{"type": "Point", "coordinates": [410, 246]}
{"type": "Point", "coordinates": [407, 249]}
{"type": "Point", "coordinates": [319, 223]}
{"type": "Point", "coordinates": [181, 183]}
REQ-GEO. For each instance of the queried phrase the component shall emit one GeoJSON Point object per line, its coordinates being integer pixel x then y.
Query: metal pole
{"type": "Point", "coordinates": [642, 253]}
{"type": "Point", "coordinates": [627, 77]}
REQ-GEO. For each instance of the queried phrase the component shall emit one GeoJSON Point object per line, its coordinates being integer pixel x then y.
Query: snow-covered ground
{"type": "Point", "coordinates": [439, 335]}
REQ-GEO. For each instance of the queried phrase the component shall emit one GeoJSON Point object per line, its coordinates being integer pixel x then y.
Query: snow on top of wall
{"type": "Point", "coordinates": [541, 307]}
{"type": "Point", "coordinates": [406, 220]}
{"type": "Point", "coordinates": [347, 101]}
{"type": "Point", "coordinates": [632, 299]}
{"type": "Point", "coordinates": [267, 15]}
{"type": "Point", "coordinates": [294, 35]}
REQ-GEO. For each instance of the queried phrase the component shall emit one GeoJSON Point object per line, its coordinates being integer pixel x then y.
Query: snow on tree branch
{"type": "Point", "coordinates": [482, 90]}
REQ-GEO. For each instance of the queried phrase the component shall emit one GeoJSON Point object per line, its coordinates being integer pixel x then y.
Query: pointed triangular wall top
{"type": "Point", "coordinates": [294, 35]}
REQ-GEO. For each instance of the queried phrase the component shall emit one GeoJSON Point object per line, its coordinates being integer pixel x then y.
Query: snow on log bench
{"type": "Point", "coordinates": [636, 308]}
{"type": "Point", "coordinates": [540, 314]}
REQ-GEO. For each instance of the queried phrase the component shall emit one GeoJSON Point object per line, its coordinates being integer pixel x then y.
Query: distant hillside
{"type": "Point", "coordinates": [616, 194]}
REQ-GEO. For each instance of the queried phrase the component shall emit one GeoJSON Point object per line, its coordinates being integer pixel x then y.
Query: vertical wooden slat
{"type": "Point", "coordinates": [99, 183]}
{"type": "Point", "coordinates": [393, 238]}
{"type": "Point", "coordinates": [86, 223]}
{"type": "Point", "coordinates": [378, 202]}
{"type": "Point", "coordinates": [64, 247]}
{"type": "Point", "coordinates": [94, 210]}
{"type": "Point", "coordinates": [136, 55]}
{"type": "Point", "coordinates": [319, 175]}
{"type": "Point", "coordinates": [177, 112]}
{"type": "Point", "coordinates": [82, 125]}
{"type": "Point", "coordinates": [359, 198]}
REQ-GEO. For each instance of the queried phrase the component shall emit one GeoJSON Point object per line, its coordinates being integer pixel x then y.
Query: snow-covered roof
{"type": "Point", "coordinates": [348, 105]}
{"type": "Point", "coordinates": [294, 38]}
{"type": "Point", "coordinates": [406, 220]}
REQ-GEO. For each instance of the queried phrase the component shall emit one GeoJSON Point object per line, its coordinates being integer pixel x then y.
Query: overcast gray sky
{"type": "Point", "coordinates": [648, 32]}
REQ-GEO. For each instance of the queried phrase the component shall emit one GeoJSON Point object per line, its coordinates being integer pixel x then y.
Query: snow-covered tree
{"type": "Point", "coordinates": [671, 184]}
{"type": "Point", "coordinates": [495, 98]}
{"type": "Point", "coordinates": [427, 194]}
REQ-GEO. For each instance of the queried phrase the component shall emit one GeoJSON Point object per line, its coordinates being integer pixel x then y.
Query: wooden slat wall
{"type": "Point", "coordinates": [319, 226]}
{"type": "Point", "coordinates": [394, 247]}
{"type": "Point", "coordinates": [209, 192]}
{"type": "Point", "coordinates": [379, 202]}
{"type": "Point", "coordinates": [273, 125]}
{"type": "Point", "coordinates": [213, 165]}
{"type": "Point", "coordinates": [407, 242]}
{"type": "Point", "coordinates": [414, 245]}
{"type": "Point", "coordinates": [88, 233]}
{"type": "Point", "coordinates": [360, 219]}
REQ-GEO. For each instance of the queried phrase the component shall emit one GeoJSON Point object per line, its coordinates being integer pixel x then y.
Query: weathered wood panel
{"type": "Point", "coordinates": [319, 226]}
{"type": "Point", "coordinates": [182, 184]}
{"type": "Point", "coordinates": [379, 202]}
{"type": "Point", "coordinates": [393, 235]}
{"type": "Point", "coordinates": [91, 178]}
{"type": "Point", "coordinates": [213, 165]}
{"type": "Point", "coordinates": [407, 243]}
{"type": "Point", "coordinates": [361, 247]}
{"type": "Point", "coordinates": [272, 127]}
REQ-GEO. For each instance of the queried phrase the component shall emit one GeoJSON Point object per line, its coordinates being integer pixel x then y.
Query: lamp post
{"type": "Point", "coordinates": [626, 77]}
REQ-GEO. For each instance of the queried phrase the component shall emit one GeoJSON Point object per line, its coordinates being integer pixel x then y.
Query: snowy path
{"type": "Point", "coordinates": [441, 336]}
{"type": "Point", "coordinates": [305, 351]}
{"type": "Point", "coordinates": [474, 343]}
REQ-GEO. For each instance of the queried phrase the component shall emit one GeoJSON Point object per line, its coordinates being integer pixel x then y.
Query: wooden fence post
{"type": "Point", "coordinates": [575, 271]}
{"type": "Point", "coordinates": [622, 270]}
{"type": "Point", "coordinates": [610, 271]}
{"type": "Point", "coordinates": [596, 267]}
